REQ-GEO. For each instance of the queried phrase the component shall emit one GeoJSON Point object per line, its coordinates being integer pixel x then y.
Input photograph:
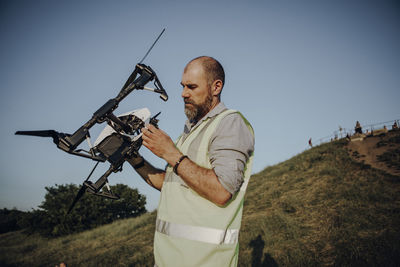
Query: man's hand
{"type": "Point", "coordinates": [158, 142]}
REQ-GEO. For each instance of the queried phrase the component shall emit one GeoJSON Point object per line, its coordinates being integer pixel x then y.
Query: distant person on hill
{"type": "Point", "coordinates": [394, 126]}
{"type": "Point", "coordinates": [203, 185]}
{"type": "Point", "coordinates": [310, 142]}
{"type": "Point", "coordinates": [358, 128]}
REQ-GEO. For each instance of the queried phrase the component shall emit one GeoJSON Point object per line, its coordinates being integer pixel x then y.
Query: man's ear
{"type": "Point", "coordinates": [216, 87]}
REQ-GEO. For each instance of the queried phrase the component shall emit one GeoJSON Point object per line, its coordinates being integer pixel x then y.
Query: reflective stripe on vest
{"type": "Point", "coordinates": [198, 233]}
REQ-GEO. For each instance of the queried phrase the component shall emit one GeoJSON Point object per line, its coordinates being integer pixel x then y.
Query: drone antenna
{"type": "Point", "coordinates": [148, 51]}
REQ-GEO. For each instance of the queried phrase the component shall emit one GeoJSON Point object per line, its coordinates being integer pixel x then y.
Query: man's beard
{"type": "Point", "coordinates": [197, 111]}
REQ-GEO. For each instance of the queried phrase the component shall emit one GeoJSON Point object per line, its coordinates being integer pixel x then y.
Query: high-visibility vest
{"type": "Point", "coordinates": [191, 230]}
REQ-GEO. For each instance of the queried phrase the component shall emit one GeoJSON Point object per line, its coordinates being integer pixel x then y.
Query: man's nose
{"type": "Point", "coordinates": [185, 93]}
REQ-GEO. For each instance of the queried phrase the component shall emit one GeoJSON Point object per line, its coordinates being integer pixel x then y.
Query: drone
{"type": "Point", "coordinates": [119, 140]}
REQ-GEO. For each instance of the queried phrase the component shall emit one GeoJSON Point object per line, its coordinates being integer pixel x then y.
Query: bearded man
{"type": "Point", "coordinates": [203, 185]}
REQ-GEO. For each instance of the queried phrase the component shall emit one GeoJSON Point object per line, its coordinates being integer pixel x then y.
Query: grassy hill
{"type": "Point", "coordinates": [320, 208]}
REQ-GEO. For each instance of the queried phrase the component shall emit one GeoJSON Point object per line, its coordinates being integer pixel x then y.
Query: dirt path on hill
{"type": "Point", "coordinates": [367, 151]}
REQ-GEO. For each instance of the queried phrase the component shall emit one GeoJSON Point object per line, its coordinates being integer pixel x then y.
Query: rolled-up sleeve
{"type": "Point", "coordinates": [230, 148]}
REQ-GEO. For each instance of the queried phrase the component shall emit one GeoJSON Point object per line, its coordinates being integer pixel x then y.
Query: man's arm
{"type": "Point", "coordinates": [206, 182]}
{"type": "Point", "coordinates": [151, 175]}
{"type": "Point", "coordinates": [202, 180]}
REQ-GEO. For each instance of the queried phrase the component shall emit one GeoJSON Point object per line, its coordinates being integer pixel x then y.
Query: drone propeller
{"type": "Point", "coordinates": [44, 133]}
{"type": "Point", "coordinates": [57, 136]}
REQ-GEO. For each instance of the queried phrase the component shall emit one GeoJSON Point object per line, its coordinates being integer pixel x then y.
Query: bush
{"type": "Point", "coordinates": [51, 219]}
{"type": "Point", "coordinates": [11, 220]}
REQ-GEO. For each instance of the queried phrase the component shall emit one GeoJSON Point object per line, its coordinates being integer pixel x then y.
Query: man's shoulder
{"type": "Point", "coordinates": [235, 117]}
{"type": "Point", "coordinates": [234, 124]}
{"type": "Point", "coordinates": [233, 134]}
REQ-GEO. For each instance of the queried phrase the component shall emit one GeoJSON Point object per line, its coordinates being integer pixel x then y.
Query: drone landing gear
{"type": "Point", "coordinates": [94, 188]}
{"type": "Point", "coordinates": [95, 191]}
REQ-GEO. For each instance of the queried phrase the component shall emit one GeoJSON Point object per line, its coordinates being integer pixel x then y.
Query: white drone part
{"type": "Point", "coordinates": [143, 114]}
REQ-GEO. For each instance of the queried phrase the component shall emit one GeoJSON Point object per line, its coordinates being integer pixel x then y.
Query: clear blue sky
{"type": "Point", "coordinates": [295, 69]}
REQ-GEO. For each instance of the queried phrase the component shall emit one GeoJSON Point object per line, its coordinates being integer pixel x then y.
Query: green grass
{"type": "Point", "coordinates": [126, 242]}
{"type": "Point", "coordinates": [319, 208]}
{"type": "Point", "coordinates": [391, 157]}
{"type": "Point", "coordinates": [322, 209]}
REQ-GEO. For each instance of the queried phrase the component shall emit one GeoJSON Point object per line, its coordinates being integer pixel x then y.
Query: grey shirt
{"type": "Point", "coordinates": [231, 146]}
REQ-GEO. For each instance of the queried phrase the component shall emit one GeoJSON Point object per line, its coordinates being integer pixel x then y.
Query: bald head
{"type": "Point", "coordinates": [211, 67]}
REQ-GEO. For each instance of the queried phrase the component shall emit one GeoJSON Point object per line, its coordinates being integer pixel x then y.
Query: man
{"type": "Point", "coordinates": [203, 186]}
{"type": "Point", "coordinates": [358, 128]}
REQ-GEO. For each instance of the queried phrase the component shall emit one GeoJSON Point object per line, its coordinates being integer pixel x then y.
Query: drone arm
{"type": "Point", "coordinates": [160, 89]}
{"type": "Point", "coordinates": [146, 75]}
{"type": "Point", "coordinates": [89, 156]}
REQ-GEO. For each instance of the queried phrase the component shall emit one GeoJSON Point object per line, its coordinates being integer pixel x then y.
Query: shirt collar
{"type": "Point", "coordinates": [214, 112]}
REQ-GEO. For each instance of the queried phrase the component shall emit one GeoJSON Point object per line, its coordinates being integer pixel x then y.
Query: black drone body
{"type": "Point", "coordinates": [123, 138]}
